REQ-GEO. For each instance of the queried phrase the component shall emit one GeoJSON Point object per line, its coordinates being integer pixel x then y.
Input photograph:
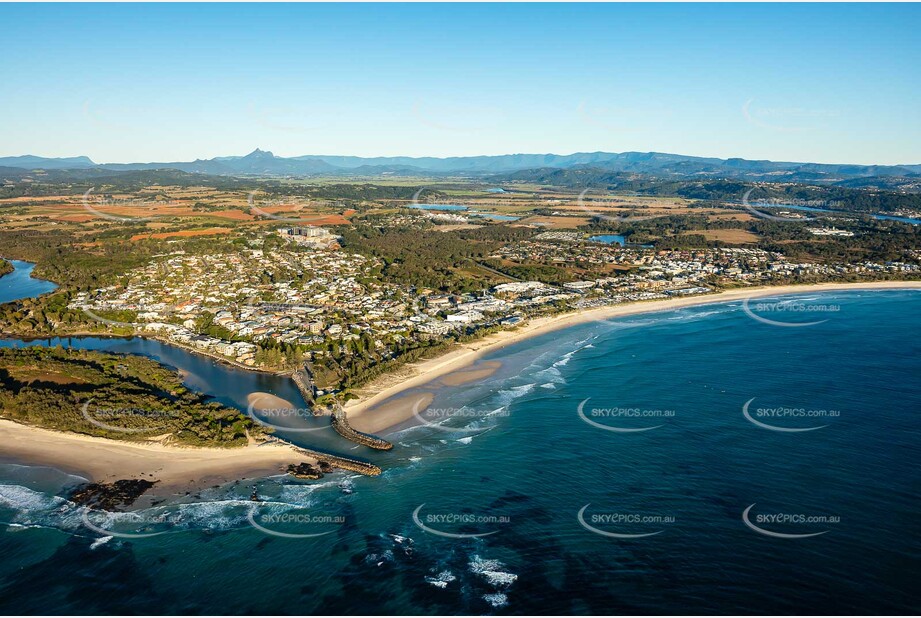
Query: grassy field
{"type": "Point", "coordinates": [729, 236]}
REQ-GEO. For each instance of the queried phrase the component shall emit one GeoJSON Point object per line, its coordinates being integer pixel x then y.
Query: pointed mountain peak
{"type": "Point", "coordinates": [260, 154]}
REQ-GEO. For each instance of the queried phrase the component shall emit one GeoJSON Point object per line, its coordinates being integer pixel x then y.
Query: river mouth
{"type": "Point", "coordinates": [514, 461]}
{"type": "Point", "coordinates": [222, 383]}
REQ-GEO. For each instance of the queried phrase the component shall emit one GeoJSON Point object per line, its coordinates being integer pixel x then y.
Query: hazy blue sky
{"type": "Point", "coordinates": [119, 83]}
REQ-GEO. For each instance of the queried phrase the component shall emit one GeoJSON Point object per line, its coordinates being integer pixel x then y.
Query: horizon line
{"type": "Point", "coordinates": [444, 157]}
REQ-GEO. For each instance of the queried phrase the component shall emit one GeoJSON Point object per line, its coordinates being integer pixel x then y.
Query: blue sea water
{"type": "Point", "coordinates": [509, 501]}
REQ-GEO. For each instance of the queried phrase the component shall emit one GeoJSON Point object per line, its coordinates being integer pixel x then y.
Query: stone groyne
{"type": "Point", "coordinates": [326, 462]}
{"type": "Point", "coordinates": [341, 425]}
{"type": "Point", "coordinates": [304, 384]}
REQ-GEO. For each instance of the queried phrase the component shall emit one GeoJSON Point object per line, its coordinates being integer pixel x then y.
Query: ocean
{"type": "Point", "coordinates": [692, 461]}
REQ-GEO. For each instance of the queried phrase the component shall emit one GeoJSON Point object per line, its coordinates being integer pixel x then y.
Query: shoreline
{"type": "Point", "coordinates": [534, 327]}
{"type": "Point", "coordinates": [383, 404]}
{"type": "Point", "coordinates": [178, 469]}
{"type": "Point", "coordinates": [391, 386]}
{"type": "Point", "coordinates": [157, 338]}
{"type": "Point", "coordinates": [34, 265]}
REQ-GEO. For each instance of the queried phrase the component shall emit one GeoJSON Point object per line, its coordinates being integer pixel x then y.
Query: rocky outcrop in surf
{"type": "Point", "coordinates": [305, 471]}
{"type": "Point", "coordinates": [110, 496]}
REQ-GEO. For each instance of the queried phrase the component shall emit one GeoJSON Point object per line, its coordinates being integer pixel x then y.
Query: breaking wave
{"type": "Point", "coordinates": [492, 571]}
{"type": "Point", "coordinates": [441, 580]}
{"type": "Point", "coordinates": [496, 599]}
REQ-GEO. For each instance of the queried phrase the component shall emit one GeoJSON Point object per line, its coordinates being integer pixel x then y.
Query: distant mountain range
{"type": "Point", "coordinates": [32, 162]}
{"type": "Point", "coordinates": [263, 163]}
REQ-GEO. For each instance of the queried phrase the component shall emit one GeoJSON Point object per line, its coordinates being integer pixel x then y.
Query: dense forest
{"type": "Point", "coordinates": [873, 240]}
{"type": "Point", "coordinates": [114, 396]}
{"type": "Point", "coordinates": [66, 259]}
{"type": "Point", "coordinates": [346, 191]}
{"type": "Point", "coordinates": [445, 261]}
{"type": "Point", "coordinates": [351, 366]}
{"type": "Point", "coordinates": [79, 181]}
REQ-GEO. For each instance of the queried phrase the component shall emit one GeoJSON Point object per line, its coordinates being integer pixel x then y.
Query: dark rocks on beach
{"type": "Point", "coordinates": [110, 496]}
{"type": "Point", "coordinates": [307, 471]}
{"type": "Point", "coordinates": [325, 466]}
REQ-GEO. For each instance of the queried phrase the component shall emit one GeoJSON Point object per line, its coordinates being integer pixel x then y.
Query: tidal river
{"type": "Point", "coordinates": [21, 284]}
{"type": "Point", "coordinates": [225, 384]}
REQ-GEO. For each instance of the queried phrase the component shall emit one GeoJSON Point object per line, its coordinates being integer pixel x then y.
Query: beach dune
{"type": "Point", "coordinates": [177, 469]}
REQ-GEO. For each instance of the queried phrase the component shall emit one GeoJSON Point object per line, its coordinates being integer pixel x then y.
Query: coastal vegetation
{"type": "Point", "coordinates": [114, 396]}
{"type": "Point", "coordinates": [870, 239]}
{"type": "Point", "coordinates": [354, 370]}
{"type": "Point", "coordinates": [5, 267]}
{"type": "Point", "coordinates": [444, 261]}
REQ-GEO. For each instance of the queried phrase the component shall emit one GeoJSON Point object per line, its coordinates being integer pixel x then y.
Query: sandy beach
{"type": "Point", "coordinates": [382, 404]}
{"type": "Point", "coordinates": [392, 412]}
{"type": "Point", "coordinates": [177, 469]}
{"type": "Point", "coordinates": [381, 394]}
